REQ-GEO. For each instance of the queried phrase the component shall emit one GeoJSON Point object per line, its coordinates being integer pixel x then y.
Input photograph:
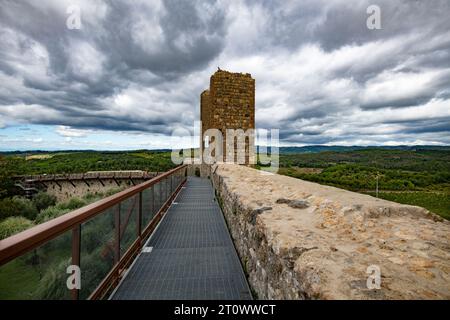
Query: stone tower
{"type": "Point", "coordinates": [229, 104]}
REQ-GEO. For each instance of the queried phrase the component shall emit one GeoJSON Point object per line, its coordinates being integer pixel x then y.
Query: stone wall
{"type": "Point", "coordinates": [229, 104]}
{"type": "Point", "coordinates": [301, 240]}
{"type": "Point", "coordinates": [66, 186]}
{"type": "Point", "coordinates": [65, 190]}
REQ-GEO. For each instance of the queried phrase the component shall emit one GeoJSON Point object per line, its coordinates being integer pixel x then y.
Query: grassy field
{"type": "Point", "coordinates": [38, 156]}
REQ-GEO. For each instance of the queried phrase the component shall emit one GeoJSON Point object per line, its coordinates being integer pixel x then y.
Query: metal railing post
{"type": "Point", "coordinates": [167, 189]}
{"type": "Point", "coordinates": [153, 201]}
{"type": "Point", "coordinates": [117, 235]}
{"type": "Point", "coordinates": [76, 252]}
{"type": "Point", "coordinates": [160, 195]}
{"type": "Point", "coordinates": [139, 219]}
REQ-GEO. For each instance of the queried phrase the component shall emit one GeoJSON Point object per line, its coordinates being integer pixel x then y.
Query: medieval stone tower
{"type": "Point", "coordinates": [229, 104]}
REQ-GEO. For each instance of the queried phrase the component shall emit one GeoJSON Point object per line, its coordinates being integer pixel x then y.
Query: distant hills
{"type": "Point", "coordinates": [282, 150]}
{"type": "Point", "coordinates": [319, 148]}
{"type": "Point", "coordinates": [19, 152]}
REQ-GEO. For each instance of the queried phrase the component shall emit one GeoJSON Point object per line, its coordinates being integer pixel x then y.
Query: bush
{"type": "Point", "coordinates": [60, 209]}
{"type": "Point", "coordinates": [92, 197]}
{"type": "Point", "coordinates": [52, 286]}
{"type": "Point", "coordinates": [17, 206]}
{"type": "Point", "coordinates": [50, 213]}
{"type": "Point", "coordinates": [13, 225]}
{"type": "Point", "coordinates": [112, 191]}
{"type": "Point", "coordinates": [72, 204]}
{"type": "Point", "coordinates": [8, 208]}
{"type": "Point", "coordinates": [25, 207]}
{"type": "Point", "coordinates": [43, 200]}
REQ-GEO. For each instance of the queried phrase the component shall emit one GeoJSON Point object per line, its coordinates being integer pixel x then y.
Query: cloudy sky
{"type": "Point", "coordinates": [134, 71]}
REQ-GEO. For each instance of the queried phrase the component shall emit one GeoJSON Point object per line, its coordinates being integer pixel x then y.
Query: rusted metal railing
{"type": "Point", "coordinates": [112, 219]}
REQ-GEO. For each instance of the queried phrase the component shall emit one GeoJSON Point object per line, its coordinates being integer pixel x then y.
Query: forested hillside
{"type": "Point", "coordinates": [419, 177]}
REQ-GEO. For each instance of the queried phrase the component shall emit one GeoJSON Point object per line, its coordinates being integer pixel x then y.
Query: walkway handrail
{"type": "Point", "coordinates": [123, 206]}
{"type": "Point", "coordinates": [27, 240]}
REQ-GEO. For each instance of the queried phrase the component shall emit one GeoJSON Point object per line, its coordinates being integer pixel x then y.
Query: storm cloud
{"type": "Point", "coordinates": [139, 67]}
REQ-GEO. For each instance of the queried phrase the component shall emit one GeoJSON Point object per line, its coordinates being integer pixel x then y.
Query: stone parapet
{"type": "Point", "coordinates": [301, 240]}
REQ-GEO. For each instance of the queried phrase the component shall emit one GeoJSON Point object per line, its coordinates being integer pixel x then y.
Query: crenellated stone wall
{"type": "Point", "coordinates": [301, 240]}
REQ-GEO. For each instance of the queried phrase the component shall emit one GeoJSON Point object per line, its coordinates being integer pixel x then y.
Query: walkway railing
{"type": "Point", "coordinates": [102, 239]}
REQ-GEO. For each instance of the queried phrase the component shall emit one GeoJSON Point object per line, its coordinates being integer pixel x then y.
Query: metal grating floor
{"type": "Point", "coordinates": [190, 256]}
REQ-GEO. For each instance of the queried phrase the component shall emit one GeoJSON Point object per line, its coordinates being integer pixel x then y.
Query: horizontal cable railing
{"type": "Point", "coordinates": [101, 239]}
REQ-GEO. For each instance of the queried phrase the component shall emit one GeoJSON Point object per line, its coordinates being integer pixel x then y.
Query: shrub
{"type": "Point", "coordinates": [50, 213]}
{"type": "Point", "coordinates": [112, 191]}
{"type": "Point", "coordinates": [92, 197]}
{"type": "Point", "coordinates": [13, 225]}
{"type": "Point", "coordinates": [72, 204]}
{"type": "Point", "coordinates": [94, 270]}
{"type": "Point", "coordinates": [17, 206]}
{"type": "Point", "coordinates": [25, 207]}
{"type": "Point", "coordinates": [95, 196]}
{"type": "Point", "coordinates": [52, 286]}
{"type": "Point", "coordinates": [8, 208]}
{"type": "Point", "coordinates": [43, 200]}
{"type": "Point", "coordinates": [60, 209]}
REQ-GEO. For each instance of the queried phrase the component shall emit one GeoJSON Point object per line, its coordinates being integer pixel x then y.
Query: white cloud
{"type": "Point", "coordinates": [393, 87]}
{"type": "Point", "coordinates": [69, 132]}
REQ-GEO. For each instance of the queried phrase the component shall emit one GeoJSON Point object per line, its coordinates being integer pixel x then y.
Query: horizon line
{"type": "Point", "coordinates": [284, 146]}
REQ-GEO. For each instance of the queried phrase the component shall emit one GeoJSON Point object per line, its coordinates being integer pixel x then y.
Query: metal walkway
{"type": "Point", "coordinates": [190, 255]}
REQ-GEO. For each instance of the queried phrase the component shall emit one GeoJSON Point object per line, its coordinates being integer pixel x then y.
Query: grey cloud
{"type": "Point", "coordinates": [339, 23]}
{"type": "Point", "coordinates": [429, 127]}
{"type": "Point", "coordinates": [75, 96]}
